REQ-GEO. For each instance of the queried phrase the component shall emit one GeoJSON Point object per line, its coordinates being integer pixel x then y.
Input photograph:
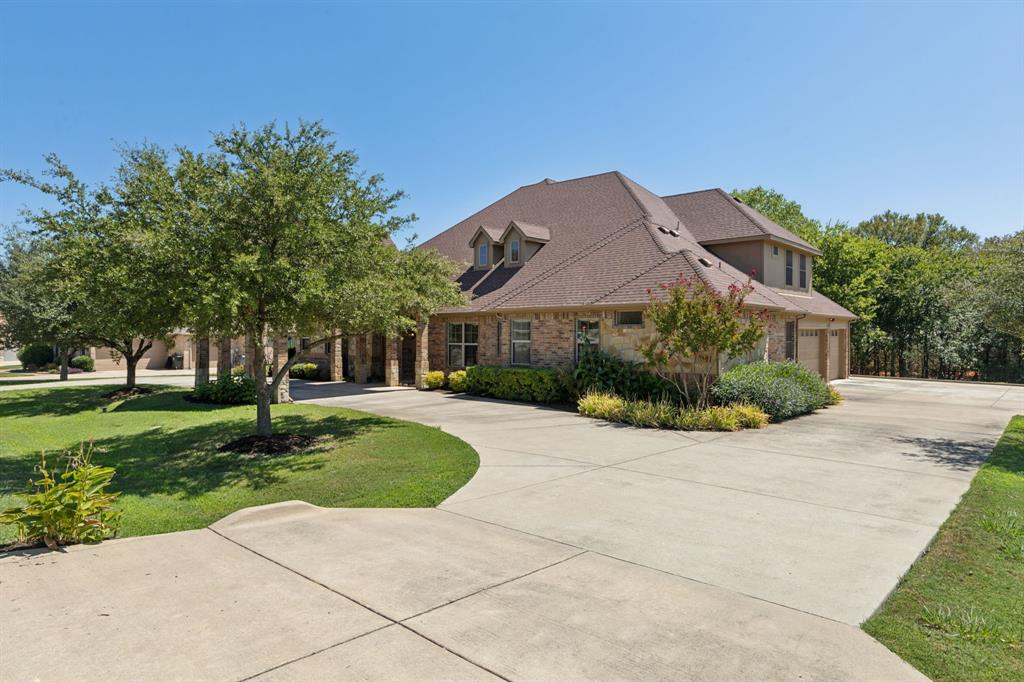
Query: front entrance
{"type": "Point", "coordinates": [407, 359]}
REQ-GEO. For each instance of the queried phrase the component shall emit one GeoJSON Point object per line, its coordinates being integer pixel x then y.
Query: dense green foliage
{"type": "Point", "coordinates": [530, 384]}
{"type": "Point", "coordinates": [227, 390]}
{"type": "Point", "coordinates": [309, 371]}
{"type": "Point", "coordinates": [84, 363]}
{"type": "Point", "coordinates": [66, 507]}
{"type": "Point", "coordinates": [457, 381]}
{"type": "Point", "coordinates": [932, 299]}
{"type": "Point", "coordinates": [781, 389]}
{"type": "Point", "coordinates": [35, 355]}
{"type": "Point", "coordinates": [600, 371]}
{"type": "Point", "coordinates": [665, 414]}
{"type": "Point", "coordinates": [956, 615]}
{"type": "Point", "coordinates": [172, 476]}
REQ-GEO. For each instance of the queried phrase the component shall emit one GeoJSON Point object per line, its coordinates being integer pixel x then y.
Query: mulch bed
{"type": "Point", "coordinates": [276, 444]}
{"type": "Point", "coordinates": [122, 393]}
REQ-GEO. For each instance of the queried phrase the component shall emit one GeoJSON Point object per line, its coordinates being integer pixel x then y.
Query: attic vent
{"type": "Point", "coordinates": [663, 230]}
{"type": "Point", "coordinates": [673, 233]}
{"type": "Point", "coordinates": [704, 261]}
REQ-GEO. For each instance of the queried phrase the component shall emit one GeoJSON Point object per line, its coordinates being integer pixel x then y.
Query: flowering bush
{"type": "Point", "coordinates": [433, 380]}
{"type": "Point", "coordinates": [457, 381]}
{"type": "Point", "coordinates": [781, 389]}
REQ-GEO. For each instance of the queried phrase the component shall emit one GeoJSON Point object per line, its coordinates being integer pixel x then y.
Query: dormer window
{"type": "Point", "coordinates": [482, 258]}
{"type": "Point", "coordinates": [514, 251]}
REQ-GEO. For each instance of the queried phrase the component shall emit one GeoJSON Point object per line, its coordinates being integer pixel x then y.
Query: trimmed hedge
{"type": "Point", "coordinates": [663, 414]}
{"type": "Point", "coordinates": [602, 372]}
{"type": "Point", "coordinates": [35, 355]}
{"type": "Point", "coordinates": [457, 381]}
{"type": "Point", "coordinates": [781, 389]}
{"type": "Point", "coordinates": [433, 380]}
{"type": "Point", "coordinates": [530, 384]}
{"type": "Point", "coordinates": [227, 390]}
{"type": "Point", "coordinates": [83, 362]}
{"type": "Point", "coordinates": [307, 370]}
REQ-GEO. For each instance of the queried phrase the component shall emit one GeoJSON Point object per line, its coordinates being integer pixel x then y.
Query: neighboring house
{"type": "Point", "coordinates": [555, 264]}
{"type": "Point", "coordinates": [181, 351]}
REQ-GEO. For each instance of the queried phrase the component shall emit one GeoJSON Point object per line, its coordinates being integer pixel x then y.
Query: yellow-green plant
{"type": "Point", "coordinates": [602, 406]}
{"type": "Point", "coordinates": [433, 380]}
{"type": "Point", "coordinates": [457, 381]}
{"type": "Point", "coordinates": [66, 507]}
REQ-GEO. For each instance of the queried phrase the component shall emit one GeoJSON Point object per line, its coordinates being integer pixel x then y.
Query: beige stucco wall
{"type": "Point", "coordinates": [775, 267]}
{"type": "Point", "coordinates": [746, 257]}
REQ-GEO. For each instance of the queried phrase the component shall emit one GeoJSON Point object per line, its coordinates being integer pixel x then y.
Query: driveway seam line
{"type": "Point", "coordinates": [996, 401]}
{"type": "Point", "coordinates": [775, 497]}
{"type": "Point", "coordinates": [314, 653]}
{"type": "Point", "coordinates": [391, 621]}
{"type": "Point", "coordinates": [659, 570]}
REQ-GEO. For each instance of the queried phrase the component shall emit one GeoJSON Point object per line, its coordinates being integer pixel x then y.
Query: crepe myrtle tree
{"type": "Point", "coordinates": [298, 242]}
{"type": "Point", "coordinates": [102, 248]}
{"type": "Point", "coordinates": [692, 320]}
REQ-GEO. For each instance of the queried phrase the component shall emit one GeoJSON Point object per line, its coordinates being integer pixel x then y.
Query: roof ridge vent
{"type": "Point", "coordinates": [704, 261]}
{"type": "Point", "coordinates": [674, 233]}
{"type": "Point", "coordinates": [663, 229]}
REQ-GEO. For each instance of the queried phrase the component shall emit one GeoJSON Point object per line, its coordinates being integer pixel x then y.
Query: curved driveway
{"type": "Point", "coordinates": [580, 550]}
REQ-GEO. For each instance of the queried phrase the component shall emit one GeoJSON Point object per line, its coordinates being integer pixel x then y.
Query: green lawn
{"type": "Point", "coordinates": [959, 612]}
{"type": "Point", "coordinates": [173, 478]}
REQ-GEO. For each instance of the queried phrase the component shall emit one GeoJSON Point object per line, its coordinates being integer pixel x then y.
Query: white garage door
{"type": "Point", "coordinates": [833, 355]}
{"type": "Point", "coordinates": [807, 351]}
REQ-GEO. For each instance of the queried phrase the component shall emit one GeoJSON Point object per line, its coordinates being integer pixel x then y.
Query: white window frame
{"type": "Point", "coordinates": [593, 333]}
{"type": "Point", "coordinates": [628, 325]}
{"type": "Point", "coordinates": [461, 344]}
{"type": "Point", "coordinates": [514, 252]}
{"type": "Point", "coordinates": [527, 342]}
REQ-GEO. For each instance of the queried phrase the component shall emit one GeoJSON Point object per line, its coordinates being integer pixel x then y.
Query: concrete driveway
{"type": "Point", "coordinates": [580, 550]}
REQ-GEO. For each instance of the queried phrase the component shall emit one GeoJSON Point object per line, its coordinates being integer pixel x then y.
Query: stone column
{"type": "Point", "coordinates": [823, 343]}
{"type": "Point", "coordinates": [223, 357]}
{"type": "Point", "coordinates": [283, 393]}
{"type": "Point", "coordinates": [391, 351]}
{"type": "Point", "coordinates": [359, 356]}
{"type": "Point", "coordinates": [422, 365]}
{"type": "Point", "coordinates": [335, 363]}
{"type": "Point", "coordinates": [844, 353]}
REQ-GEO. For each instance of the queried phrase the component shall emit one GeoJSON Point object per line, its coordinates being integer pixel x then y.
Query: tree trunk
{"type": "Point", "coordinates": [256, 367]}
{"type": "Point", "coordinates": [65, 352]}
{"type": "Point", "coordinates": [130, 361]}
{"type": "Point", "coordinates": [202, 361]}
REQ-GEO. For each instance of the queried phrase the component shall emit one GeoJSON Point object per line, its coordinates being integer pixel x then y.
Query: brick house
{"type": "Point", "coordinates": [555, 264]}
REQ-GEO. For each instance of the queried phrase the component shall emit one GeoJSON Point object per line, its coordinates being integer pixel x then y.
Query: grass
{"type": "Point", "coordinates": [958, 614]}
{"type": "Point", "coordinates": [172, 477]}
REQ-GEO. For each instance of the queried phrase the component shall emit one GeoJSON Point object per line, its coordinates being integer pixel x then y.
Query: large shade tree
{"type": "Point", "coordinates": [295, 241]}
{"type": "Point", "coordinates": [103, 244]}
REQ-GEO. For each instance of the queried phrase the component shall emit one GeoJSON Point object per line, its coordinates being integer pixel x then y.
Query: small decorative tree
{"type": "Point", "coordinates": [694, 321]}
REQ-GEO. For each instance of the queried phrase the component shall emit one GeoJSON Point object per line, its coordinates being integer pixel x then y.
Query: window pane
{"type": "Point", "coordinates": [515, 250]}
{"type": "Point", "coordinates": [483, 254]}
{"type": "Point", "coordinates": [520, 330]}
{"type": "Point", "coordinates": [455, 356]}
{"type": "Point", "coordinates": [629, 318]}
{"type": "Point", "coordinates": [471, 333]}
{"type": "Point", "coordinates": [454, 333]}
{"type": "Point", "coordinates": [520, 353]}
{"type": "Point", "coordinates": [588, 330]}
{"type": "Point", "coordinates": [470, 355]}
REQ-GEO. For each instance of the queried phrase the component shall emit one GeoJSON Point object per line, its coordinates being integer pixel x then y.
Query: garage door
{"type": "Point", "coordinates": [808, 350]}
{"type": "Point", "coordinates": [833, 355]}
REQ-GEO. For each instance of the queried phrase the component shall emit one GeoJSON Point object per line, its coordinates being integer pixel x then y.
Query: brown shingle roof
{"type": "Point", "coordinates": [714, 216]}
{"type": "Point", "coordinates": [610, 240]}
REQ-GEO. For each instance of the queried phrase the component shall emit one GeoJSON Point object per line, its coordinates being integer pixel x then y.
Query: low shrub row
{"type": "Point", "coordinates": [664, 414]}
{"type": "Point", "coordinates": [227, 390]}
{"type": "Point", "coordinates": [530, 384]}
{"type": "Point", "coordinates": [781, 389]}
{"type": "Point", "coordinates": [309, 371]}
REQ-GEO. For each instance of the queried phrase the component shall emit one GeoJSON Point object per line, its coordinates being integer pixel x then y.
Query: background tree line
{"type": "Point", "coordinates": [933, 300]}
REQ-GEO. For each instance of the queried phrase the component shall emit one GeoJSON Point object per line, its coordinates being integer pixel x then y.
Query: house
{"type": "Point", "coordinates": [555, 265]}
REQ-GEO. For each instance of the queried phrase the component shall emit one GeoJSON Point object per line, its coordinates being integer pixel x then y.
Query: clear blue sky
{"type": "Point", "coordinates": [850, 109]}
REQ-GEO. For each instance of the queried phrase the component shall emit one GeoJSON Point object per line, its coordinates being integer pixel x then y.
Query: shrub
{"type": "Point", "coordinates": [834, 396]}
{"type": "Point", "coordinates": [238, 371]}
{"type": "Point", "coordinates": [529, 384]}
{"type": "Point", "coordinates": [35, 355]}
{"type": "Point", "coordinates": [433, 380]}
{"type": "Point", "coordinates": [304, 370]}
{"type": "Point", "coordinates": [83, 362]}
{"type": "Point", "coordinates": [66, 507]}
{"type": "Point", "coordinates": [227, 390]}
{"type": "Point", "coordinates": [665, 414]}
{"type": "Point", "coordinates": [602, 406]}
{"type": "Point", "coordinates": [457, 381]}
{"type": "Point", "coordinates": [781, 389]}
{"type": "Point", "coordinates": [600, 371]}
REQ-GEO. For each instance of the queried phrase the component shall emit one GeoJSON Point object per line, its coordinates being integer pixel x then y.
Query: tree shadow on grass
{"type": "Point", "coordinates": [185, 461]}
{"type": "Point", "coordinates": [62, 401]}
